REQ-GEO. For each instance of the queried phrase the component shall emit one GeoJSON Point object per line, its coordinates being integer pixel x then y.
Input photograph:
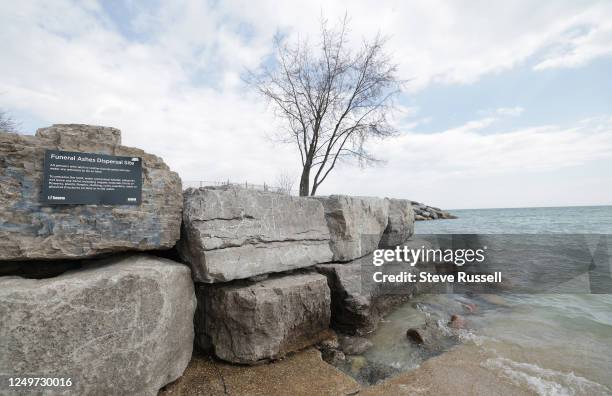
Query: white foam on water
{"type": "Point", "coordinates": [545, 382]}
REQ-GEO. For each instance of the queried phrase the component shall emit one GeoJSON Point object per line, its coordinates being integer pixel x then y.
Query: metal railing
{"type": "Point", "coordinates": [246, 185]}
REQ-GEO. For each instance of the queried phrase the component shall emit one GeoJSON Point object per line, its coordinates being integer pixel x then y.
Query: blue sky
{"type": "Point", "coordinates": [507, 105]}
{"type": "Point", "coordinates": [547, 96]}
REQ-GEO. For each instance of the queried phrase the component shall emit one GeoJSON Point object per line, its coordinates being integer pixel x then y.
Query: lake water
{"type": "Point", "coordinates": [557, 343]}
{"type": "Point", "coordinates": [567, 220]}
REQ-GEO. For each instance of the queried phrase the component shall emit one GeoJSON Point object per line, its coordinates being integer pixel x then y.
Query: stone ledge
{"type": "Point", "coordinates": [303, 373]}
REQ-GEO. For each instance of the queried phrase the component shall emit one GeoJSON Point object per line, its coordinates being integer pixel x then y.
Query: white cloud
{"type": "Point", "coordinates": [465, 151]}
{"type": "Point", "coordinates": [425, 166]}
{"type": "Point", "coordinates": [588, 37]}
{"type": "Point", "coordinates": [451, 42]}
{"type": "Point", "coordinates": [174, 88]}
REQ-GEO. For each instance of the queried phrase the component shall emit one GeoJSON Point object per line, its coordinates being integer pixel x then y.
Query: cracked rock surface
{"type": "Point", "coordinates": [400, 226]}
{"type": "Point", "coordinates": [356, 224]}
{"type": "Point", "coordinates": [234, 233]}
{"type": "Point", "coordinates": [121, 326]}
{"type": "Point", "coordinates": [31, 230]}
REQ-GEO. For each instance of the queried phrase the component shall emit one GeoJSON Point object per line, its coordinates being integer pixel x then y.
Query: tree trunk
{"type": "Point", "coordinates": [314, 189]}
{"type": "Point", "coordinates": [305, 181]}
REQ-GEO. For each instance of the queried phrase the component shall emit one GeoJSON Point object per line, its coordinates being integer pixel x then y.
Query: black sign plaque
{"type": "Point", "coordinates": [91, 179]}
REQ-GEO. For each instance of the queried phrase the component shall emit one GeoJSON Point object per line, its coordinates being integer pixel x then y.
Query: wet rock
{"type": "Point", "coordinates": [30, 230]}
{"type": "Point", "coordinates": [416, 335]}
{"type": "Point", "coordinates": [250, 323]}
{"type": "Point", "coordinates": [400, 225]}
{"type": "Point", "coordinates": [374, 372]}
{"type": "Point", "coordinates": [356, 305]}
{"type": "Point", "coordinates": [359, 303]}
{"type": "Point", "coordinates": [352, 345]}
{"type": "Point", "coordinates": [357, 363]}
{"type": "Point", "coordinates": [233, 233]}
{"type": "Point", "coordinates": [330, 350]}
{"type": "Point", "coordinates": [301, 374]}
{"type": "Point", "coordinates": [332, 356]}
{"type": "Point", "coordinates": [457, 322]}
{"type": "Point", "coordinates": [431, 335]}
{"type": "Point", "coordinates": [330, 343]}
{"type": "Point", "coordinates": [356, 224]}
{"type": "Point", "coordinates": [121, 326]}
{"type": "Point", "coordinates": [470, 307]}
{"type": "Point", "coordinates": [494, 299]}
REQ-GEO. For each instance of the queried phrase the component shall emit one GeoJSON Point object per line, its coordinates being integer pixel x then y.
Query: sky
{"type": "Point", "coordinates": [507, 104]}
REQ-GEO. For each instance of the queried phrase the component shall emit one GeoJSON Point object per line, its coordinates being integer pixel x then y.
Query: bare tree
{"type": "Point", "coordinates": [332, 99]}
{"type": "Point", "coordinates": [285, 183]}
{"type": "Point", "coordinates": [7, 123]}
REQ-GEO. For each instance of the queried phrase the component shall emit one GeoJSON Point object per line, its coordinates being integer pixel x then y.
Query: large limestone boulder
{"type": "Point", "coordinates": [356, 224]}
{"type": "Point", "coordinates": [32, 230]}
{"type": "Point", "coordinates": [357, 305]}
{"type": "Point", "coordinates": [266, 320]}
{"type": "Point", "coordinates": [234, 233]}
{"type": "Point", "coordinates": [123, 326]}
{"type": "Point", "coordinates": [400, 226]}
{"type": "Point", "coordinates": [358, 301]}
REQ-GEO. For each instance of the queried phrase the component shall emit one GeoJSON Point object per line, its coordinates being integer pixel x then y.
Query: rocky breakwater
{"type": "Point", "coordinates": [255, 257]}
{"type": "Point", "coordinates": [424, 212]}
{"type": "Point", "coordinates": [248, 251]}
{"type": "Point", "coordinates": [120, 325]}
{"type": "Point", "coordinates": [30, 229]}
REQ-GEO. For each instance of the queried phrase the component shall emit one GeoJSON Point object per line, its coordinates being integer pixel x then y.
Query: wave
{"type": "Point", "coordinates": [543, 381]}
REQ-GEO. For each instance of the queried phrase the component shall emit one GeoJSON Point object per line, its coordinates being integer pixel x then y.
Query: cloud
{"type": "Point", "coordinates": [584, 40]}
{"type": "Point", "coordinates": [466, 151]}
{"type": "Point", "coordinates": [452, 42]}
{"type": "Point", "coordinates": [429, 166]}
{"type": "Point", "coordinates": [169, 77]}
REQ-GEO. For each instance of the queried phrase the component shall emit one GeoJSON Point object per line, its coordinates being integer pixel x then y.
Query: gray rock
{"type": "Point", "coordinates": [433, 336]}
{"type": "Point", "coordinates": [30, 230]}
{"type": "Point", "coordinates": [234, 233]}
{"type": "Point", "coordinates": [76, 135]}
{"type": "Point", "coordinates": [352, 345]}
{"type": "Point", "coordinates": [356, 224]}
{"type": "Point", "coordinates": [424, 212]}
{"type": "Point", "coordinates": [359, 303]}
{"type": "Point", "coordinates": [123, 326]}
{"type": "Point", "coordinates": [335, 357]}
{"type": "Point", "coordinates": [356, 305]}
{"type": "Point", "coordinates": [266, 320]}
{"type": "Point", "coordinates": [400, 226]}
